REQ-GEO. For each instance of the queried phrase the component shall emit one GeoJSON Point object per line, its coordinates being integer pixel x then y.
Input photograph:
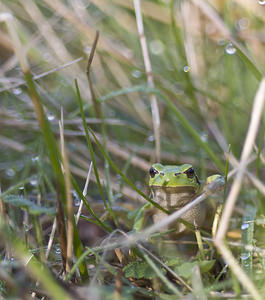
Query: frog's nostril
{"type": "Point", "coordinates": [176, 174]}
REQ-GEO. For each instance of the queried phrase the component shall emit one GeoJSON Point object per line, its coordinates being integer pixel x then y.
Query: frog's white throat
{"type": "Point", "coordinates": [173, 198]}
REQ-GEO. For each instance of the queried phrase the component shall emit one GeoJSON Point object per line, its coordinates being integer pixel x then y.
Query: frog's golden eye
{"type": "Point", "coordinates": [190, 173]}
{"type": "Point", "coordinates": [153, 172]}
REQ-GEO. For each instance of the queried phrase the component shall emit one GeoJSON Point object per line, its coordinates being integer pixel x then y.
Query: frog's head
{"type": "Point", "coordinates": [173, 176]}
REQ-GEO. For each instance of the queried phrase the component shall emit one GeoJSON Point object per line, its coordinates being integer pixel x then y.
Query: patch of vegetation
{"type": "Point", "coordinates": [93, 93]}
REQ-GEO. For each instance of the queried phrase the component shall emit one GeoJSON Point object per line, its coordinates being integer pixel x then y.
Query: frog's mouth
{"type": "Point", "coordinates": [176, 189]}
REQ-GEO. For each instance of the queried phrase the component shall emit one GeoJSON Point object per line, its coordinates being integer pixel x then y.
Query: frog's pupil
{"type": "Point", "coordinates": [153, 172]}
{"type": "Point", "coordinates": [190, 173]}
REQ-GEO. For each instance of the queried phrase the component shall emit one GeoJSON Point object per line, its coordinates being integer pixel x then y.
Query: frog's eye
{"type": "Point", "coordinates": [153, 172]}
{"type": "Point", "coordinates": [190, 173]}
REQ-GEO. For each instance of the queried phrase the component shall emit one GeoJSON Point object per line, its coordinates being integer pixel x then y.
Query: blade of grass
{"type": "Point", "coordinates": [117, 170]}
{"type": "Point", "coordinates": [249, 63]}
{"type": "Point", "coordinates": [99, 115]}
{"type": "Point", "coordinates": [185, 123]}
{"type": "Point", "coordinates": [90, 147]}
{"type": "Point", "coordinates": [188, 127]}
{"type": "Point", "coordinates": [169, 285]}
{"type": "Point", "coordinates": [80, 194]}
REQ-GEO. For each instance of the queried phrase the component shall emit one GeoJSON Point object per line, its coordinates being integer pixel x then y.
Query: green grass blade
{"type": "Point", "coordinates": [250, 64]}
{"type": "Point", "coordinates": [90, 147]}
{"type": "Point", "coordinates": [81, 196]}
{"type": "Point", "coordinates": [117, 170]}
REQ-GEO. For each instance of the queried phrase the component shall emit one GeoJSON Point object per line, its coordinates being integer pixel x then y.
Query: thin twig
{"type": "Point", "coordinates": [248, 146]}
{"type": "Point", "coordinates": [150, 81]}
{"type": "Point", "coordinates": [90, 59]}
{"type": "Point", "coordinates": [69, 200]}
{"type": "Point", "coordinates": [36, 77]}
{"type": "Point", "coordinates": [256, 115]}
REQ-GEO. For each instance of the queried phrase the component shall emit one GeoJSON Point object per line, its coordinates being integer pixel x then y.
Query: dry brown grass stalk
{"type": "Point", "coordinates": [150, 81]}
{"type": "Point", "coordinates": [256, 115]}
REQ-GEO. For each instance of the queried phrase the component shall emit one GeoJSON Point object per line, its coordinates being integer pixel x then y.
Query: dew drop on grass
{"type": "Point", "coordinates": [245, 256]}
{"type": "Point", "coordinates": [138, 184]}
{"type": "Point", "coordinates": [156, 47]}
{"type": "Point", "coordinates": [76, 199]}
{"type": "Point", "coordinates": [261, 2]}
{"type": "Point", "coordinates": [34, 182]}
{"type": "Point", "coordinates": [136, 73]}
{"type": "Point", "coordinates": [87, 49]}
{"type": "Point", "coordinates": [151, 138]}
{"type": "Point", "coordinates": [186, 69]}
{"type": "Point", "coordinates": [10, 173]}
{"type": "Point", "coordinates": [17, 91]}
{"type": "Point", "coordinates": [58, 250]}
{"type": "Point", "coordinates": [50, 116]}
{"type": "Point", "coordinates": [244, 226]}
{"type": "Point", "coordinates": [243, 23]}
{"type": "Point", "coordinates": [204, 137]}
{"type": "Point", "coordinates": [36, 158]}
{"type": "Point", "coordinates": [230, 49]}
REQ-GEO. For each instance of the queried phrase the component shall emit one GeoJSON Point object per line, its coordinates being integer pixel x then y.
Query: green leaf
{"type": "Point", "coordinates": [140, 269]}
{"type": "Point", "coordinates": [140, 216]}
{"type": "Point", "coordinates": [33, 209]}
{"type": "Point", "coordinates": [172, 262]}
{"type": "Point", "coordinates": [185, 270]}
{"type": "Point", "coordinates": [206, 265]}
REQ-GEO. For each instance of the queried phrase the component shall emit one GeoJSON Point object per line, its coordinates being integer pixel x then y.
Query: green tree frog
{"type": "Point", "coordinates": [175, 186]}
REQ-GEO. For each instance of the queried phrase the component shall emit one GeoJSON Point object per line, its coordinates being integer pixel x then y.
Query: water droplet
{"type": "Point", "coordinates": [138, 185]}
{"type": "Point", "coordinates": [136, 73]}
{"type": "Point", "coordinates": [87, 49]}
{"type": "Point", "coordinates": [50, 116]}
{"type": "Point", "coordinates": [11, 259]}
{"type": "Point", "coordinates": [151, 138]}
{"type": "Point", "coordinates": [58, 250]}
{"type": "Point", "coordinates": [245, 255]}
{"type": "Point", "coordinates": [36, 158]}
{"type": "Point", "coordinates": [76, 199]}
{"type": "Point", "coordinates": [261, 2]}
{"type": "Point", "coordinates": [27, 227]}
{"type": "Point", "coordinates": [156, 47]}
{"type": "Point", "coordinates": [230, 49]}
{"type": "Point", "coordinates": [204, 137]}
{"type": "Point", "coordinates": [10, 173]}
{"type": "Point", "coordinates": [21, 191]}
{"type": "Point", "coordinates": [244, 226]}
{"type": "Point", "coordinates": [34, 181]}
{"type": "Point", "coordinates": [17, 91]}
{"type": "Point", "coordinates": [243, 23]}
{"type": "Point", "coordinates": [186, 69]}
